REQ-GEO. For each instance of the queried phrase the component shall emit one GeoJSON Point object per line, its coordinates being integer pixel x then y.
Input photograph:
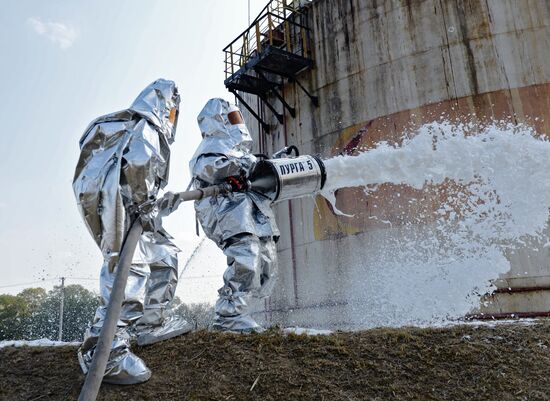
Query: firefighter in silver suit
{"type": "Point", "coordinates": [242, 223]}
{"type": "Point", "coordinates": [123, 164]}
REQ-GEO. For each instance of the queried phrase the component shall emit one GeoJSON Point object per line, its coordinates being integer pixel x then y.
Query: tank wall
{"type": "Point", "coordinates": [382, 67]}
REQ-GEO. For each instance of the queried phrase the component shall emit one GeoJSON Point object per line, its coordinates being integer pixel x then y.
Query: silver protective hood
{"type": "Point", "coordinates": [225, 151]}
{"type": "Point", "coordinates": [124, 161]}
{"type": "Point", "coordinates": [218, 132]}
{"type": "Point", "coordinates": [159, 103]}
{"type": "Point", "coordinates": [222, 138]}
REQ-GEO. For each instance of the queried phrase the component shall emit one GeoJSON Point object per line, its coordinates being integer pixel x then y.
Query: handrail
{"type": "Point", "coordinates": [254, 23]}
{"type": "Point", "coordinates": [279, 24]}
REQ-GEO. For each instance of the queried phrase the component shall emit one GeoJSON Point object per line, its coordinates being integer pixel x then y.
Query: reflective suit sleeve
{"type": "Point", "coordinates": [143, 166]}
{"type": "Point", "coordinates": [215, 168]}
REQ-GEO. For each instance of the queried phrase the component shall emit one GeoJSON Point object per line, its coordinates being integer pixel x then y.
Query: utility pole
{"type": "Point", "coordinates": [61, 302]}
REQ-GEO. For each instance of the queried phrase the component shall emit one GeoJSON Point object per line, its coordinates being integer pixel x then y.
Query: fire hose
{"type": "Point", "coordinates": [277, 179]}
{"type": "Point", "coordinates": [92, 383]}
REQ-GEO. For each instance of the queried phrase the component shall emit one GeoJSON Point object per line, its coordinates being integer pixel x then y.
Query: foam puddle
{"type": "Point", "coordinates": [43, 342]}
{"type": "Point", "coordinates": [426, 273]}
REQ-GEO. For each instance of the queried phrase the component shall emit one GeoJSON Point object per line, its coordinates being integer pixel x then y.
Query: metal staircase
{"type": "Point", "coordinates": [277, 46]}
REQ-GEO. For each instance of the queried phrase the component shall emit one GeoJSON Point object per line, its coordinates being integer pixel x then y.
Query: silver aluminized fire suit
{"type": "Point", "coordinates": [124, 161]}
{"type": "Point", "coordinates": [242, 224]}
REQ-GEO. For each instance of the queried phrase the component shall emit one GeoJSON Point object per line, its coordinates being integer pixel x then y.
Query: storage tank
{"type": "Point", "coordinates": [380, 67]}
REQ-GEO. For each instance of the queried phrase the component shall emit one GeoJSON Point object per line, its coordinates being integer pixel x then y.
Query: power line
{"type": "Point", "coordinates": [48, 279]}
{"type": "Point", "coordinates": [82, 278]}
{"type": "Point", "coordinates": [94, 279]}
{"type": "Point", "coordinates": [189, 260]}
{"type": "Point", "coordinates": [183, 278]}
{"type": "Point", "coordinates": [30, 283]}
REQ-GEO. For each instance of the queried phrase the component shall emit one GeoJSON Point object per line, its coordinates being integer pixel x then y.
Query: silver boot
{"type": "Point", "coordinates": [171, 327]}
{"type": "Point", "coordinates": [236, 324]}
{"type": "Point", "coordinates": [158, 321]}
{"type": "Point", "coordinates": [233, 313]}
{"type": "Point", "coordinates": [123, 367]}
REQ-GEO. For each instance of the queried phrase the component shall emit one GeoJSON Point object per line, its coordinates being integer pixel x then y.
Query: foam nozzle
{"type": "Point", "coordinates": [289, 177]}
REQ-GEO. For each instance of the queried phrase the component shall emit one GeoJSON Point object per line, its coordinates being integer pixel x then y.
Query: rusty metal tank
{"type": "Point", "coordinates": [383, 66]}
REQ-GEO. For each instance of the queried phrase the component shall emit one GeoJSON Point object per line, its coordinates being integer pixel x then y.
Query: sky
{"type": "Point", "coordinates": [65, 63]}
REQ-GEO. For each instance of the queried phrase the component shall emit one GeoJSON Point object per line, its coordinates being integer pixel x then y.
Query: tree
{"type": "Point", "coordinates": [202, 314]}
{"type": "Point", "coordinates": [33, 297]}
{"type": "Point", "coordinates": [12, 315]}
{"type": "Point", "coordinates": [33, 313]}
{"type": "Point", "coordinates": [80, 306]}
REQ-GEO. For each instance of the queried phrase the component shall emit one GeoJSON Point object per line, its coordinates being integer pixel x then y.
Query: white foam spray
{"type": "Point", "coordinates": [426, 273]}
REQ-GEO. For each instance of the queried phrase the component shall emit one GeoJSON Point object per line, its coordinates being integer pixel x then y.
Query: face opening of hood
{"type": "Point", "coordinates": [217, 117]}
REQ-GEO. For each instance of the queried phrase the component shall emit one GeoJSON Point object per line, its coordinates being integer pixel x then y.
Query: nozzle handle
{"type": "Point", "coordinates": [287, 150]}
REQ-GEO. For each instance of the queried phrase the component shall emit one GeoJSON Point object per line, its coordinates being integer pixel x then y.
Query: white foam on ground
{"type": "Point", "coordinates": [43, 342]}
{"type": "Point", "coordinates": [420, 274]}
{"type": "Point", "coordinates": [306, 331]}
{"type": "Point", "coordinates": [495, 322]}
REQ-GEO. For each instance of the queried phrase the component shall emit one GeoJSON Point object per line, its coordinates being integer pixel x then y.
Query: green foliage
{"type": "Point", "coordinates": [34, 313]}
{"type": "Point", "coordinates": [13, 311]}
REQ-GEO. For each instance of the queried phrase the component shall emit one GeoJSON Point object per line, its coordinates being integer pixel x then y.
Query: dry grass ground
{"type": "Point", "coordinates": [504, 362]}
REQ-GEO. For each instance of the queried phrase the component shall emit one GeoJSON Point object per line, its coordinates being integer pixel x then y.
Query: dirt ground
{"type": "Point", "coordinates": [504, 362]}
